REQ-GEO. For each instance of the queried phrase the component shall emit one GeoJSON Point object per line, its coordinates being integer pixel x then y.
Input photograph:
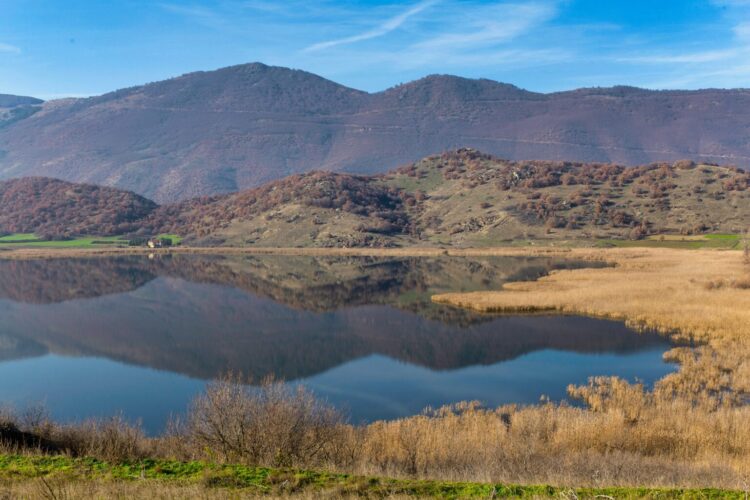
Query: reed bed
{"type": "Point", "coordinates": [697, 297]}
{"type": "Point", "coordinates": [691, 430]}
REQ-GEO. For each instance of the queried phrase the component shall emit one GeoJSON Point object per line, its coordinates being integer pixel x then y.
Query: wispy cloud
{"type": "Point", "coordinates": [9, 49]}
{"type": "Point", "coordinates": [202, 15]}
{"type": "Point", "coordinates": [383, 29]}
{"type": "Point", "coordinates": [686, 58]}
{"type": "Point", "coordinates": [492, 25]}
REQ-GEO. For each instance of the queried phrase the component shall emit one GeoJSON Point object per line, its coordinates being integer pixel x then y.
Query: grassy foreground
{"type": "Point", "coordinates": [59, 475]}
{"type": "Point", "coordinates": [28, 240]}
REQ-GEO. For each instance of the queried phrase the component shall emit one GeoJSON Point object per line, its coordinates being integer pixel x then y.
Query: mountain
{"type": "Point", "coordinates": [14, 108]}
{"type": "Point", "coordinates": [463, 198]}
{"type": "Point", "coordinates": [468, 198]}
{"type": "Point", "coordinates": [227, 130]}
{"type": "Point", "coordinates": [54, 209]}
{"type": "Point", "coordinates": [11, 101]}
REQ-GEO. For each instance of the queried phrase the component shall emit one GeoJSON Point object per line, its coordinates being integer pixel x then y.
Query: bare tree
{"type": "Point", "coordinates": [273, 424]}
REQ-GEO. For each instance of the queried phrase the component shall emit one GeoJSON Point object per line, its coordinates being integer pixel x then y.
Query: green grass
{"type": "Point", "coordinates": [33, 241]}
{"type": "Point", "coordinates": [21, 240]}
{"type": "Point", "coordinates": [18, 238]}
{"type": "Point", "coordinates": [176, 240]}
{"type": "Point", "coordinates": [721, 241]}
{"type": "Point", "coordinates": [723, 237]}
{"type": "Point", "coordinates": [269, 481]}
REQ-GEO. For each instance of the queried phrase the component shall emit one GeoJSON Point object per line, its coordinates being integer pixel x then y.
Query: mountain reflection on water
{"type": "Point", "coordinates": [330, 321]}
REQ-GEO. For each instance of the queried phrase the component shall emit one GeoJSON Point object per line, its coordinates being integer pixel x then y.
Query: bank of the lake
{"type": "Point", "coordinates": [60, 477]}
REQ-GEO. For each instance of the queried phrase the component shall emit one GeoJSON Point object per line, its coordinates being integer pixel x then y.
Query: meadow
{"type": "Point", "coordinates": [30, 240]}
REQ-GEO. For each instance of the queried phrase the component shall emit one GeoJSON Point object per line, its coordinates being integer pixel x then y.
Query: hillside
{"type": "Point", "coordinates": [467, 198]}
{"type": "Point", "coordinates": [463, 198]}
{"type": "Point", "coordinates": [235, 128]}
{"type": "Point", "coordinates": [57, 209]}
{"type": "Point", "coordinates": [14, 108]}
{"type": "Point", "coordinates": [11, 101]}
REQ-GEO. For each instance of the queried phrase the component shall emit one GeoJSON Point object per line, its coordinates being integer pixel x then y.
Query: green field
{"type": "Point", "coordinates": [32, 241]}
{"type": "Point", "coordinates": [721, 241]}
{"type": "Point", "coordinates": [18, 238]}
{"type": "Point", "coordinates": [260, 480]}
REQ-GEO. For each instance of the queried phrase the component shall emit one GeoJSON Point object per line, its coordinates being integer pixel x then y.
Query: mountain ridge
{"type": "Point", "coordinates": [11, 101]}
{"type": "Point", "coordinates": [457, 198]}
{"type": "Point", "coordinates": [222, 131]}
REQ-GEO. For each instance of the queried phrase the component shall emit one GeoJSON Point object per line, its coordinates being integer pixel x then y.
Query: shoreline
{"type": "Point", "coordinates": [701, 296]}
{"type": "Point", "coordinates": [61, 253]}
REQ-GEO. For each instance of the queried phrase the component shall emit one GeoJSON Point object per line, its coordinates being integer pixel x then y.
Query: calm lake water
{"type": "Point", "coordinates": [140, 336]}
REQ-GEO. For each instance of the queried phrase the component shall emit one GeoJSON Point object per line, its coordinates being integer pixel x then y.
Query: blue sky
{"type": "Point", "coordinates": [55, 48]}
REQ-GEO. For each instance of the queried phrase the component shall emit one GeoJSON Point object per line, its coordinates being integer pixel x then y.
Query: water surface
{"type": "Point", "coordinates": [93, 337]}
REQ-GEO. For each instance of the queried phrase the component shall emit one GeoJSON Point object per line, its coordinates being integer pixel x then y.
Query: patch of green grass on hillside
{"type": "Point", "coordinates": [723, 237]}
{"type": "Point", "coordinates": [176, 240]}
{"type": "Point", "coordinates": [290, 481]}
{"type": "Point", "coordinates": [18, 238]}
{"type": "Point", "coordinates": [33, 241]}
{"type": "Point", "coordinates": [720, 241]}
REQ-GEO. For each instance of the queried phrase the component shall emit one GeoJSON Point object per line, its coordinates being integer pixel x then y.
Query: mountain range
{"type": "Point", "coordinates": [223, 131]}
{"type": "Point", "coordinates": [462, 197]}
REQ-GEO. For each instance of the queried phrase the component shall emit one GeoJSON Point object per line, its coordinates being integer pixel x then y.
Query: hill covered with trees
{"type": "Point", "coordinates": [55, 209]}
{"type": "Point", "coordinates": [461, 197]}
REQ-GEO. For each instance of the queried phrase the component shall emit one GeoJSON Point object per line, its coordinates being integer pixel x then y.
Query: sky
{"type": "Point", "coordinates": [74, 48]}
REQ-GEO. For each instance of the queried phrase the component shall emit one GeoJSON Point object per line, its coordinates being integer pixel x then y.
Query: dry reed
{"type": "Point", "coordinates": [691, 431]}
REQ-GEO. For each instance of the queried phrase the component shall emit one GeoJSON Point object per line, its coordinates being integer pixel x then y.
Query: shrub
{"type": "Point", "coordinates": [112, 439]}
{"type": "Point", "coordinates": [273, 425]}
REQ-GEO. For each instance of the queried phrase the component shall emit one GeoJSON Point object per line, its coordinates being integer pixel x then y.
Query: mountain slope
{"type": "Point", "coordinates": [463, 198]}
{"type": "Point", "coordinates": [11, 101]}
{"type": "Point", "coordinates": [55, 209]}
{"type": "Point", "coordinates": [14, 108]}
{"type": "Point", "coordinates": [468, 198]}
{"type": "Point", "coordinates": [222, 131]}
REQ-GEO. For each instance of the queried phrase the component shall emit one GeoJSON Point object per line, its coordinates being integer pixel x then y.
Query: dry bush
{"type": "Point", "coordinates": [111, 439]}
{"type": "Point", "coordinates": [268, 425]}
{"type": "Point", "coordinates": [626, 436]}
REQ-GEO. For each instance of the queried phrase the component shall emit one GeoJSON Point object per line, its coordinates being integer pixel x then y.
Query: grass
{"type": "Point", "coordinates": [60, 470]}
{"type": "Point", "coordinates": [20, 237]}
{"type": "Point", "coordinates": [719, 241]}
{"type": "Point", "coordinates": [33, 241]}
{"type": "Point", "coordinates": [663, 289]}
{"type": "Point", "coordinates": [176, 240]}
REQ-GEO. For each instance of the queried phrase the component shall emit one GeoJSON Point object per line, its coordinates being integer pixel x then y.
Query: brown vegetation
{"type": "Point", "coordinates": [239, 127]}
{"type": "Point", "coordinates": [56, 209]}
{"type": "Point", "coordinates": [676, 293]}
{"type": "Point", "coordinates": [459, 197]}
{"type": "Point", "coordinates": [665, 290]}
{"type": "Point", "coordinates": [383, 206]}
{"type": "Point", "coordinates": [623, 439]}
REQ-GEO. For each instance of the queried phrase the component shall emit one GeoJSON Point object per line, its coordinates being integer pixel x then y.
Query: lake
{"type": "Point", "coordinates": [141, 336]}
